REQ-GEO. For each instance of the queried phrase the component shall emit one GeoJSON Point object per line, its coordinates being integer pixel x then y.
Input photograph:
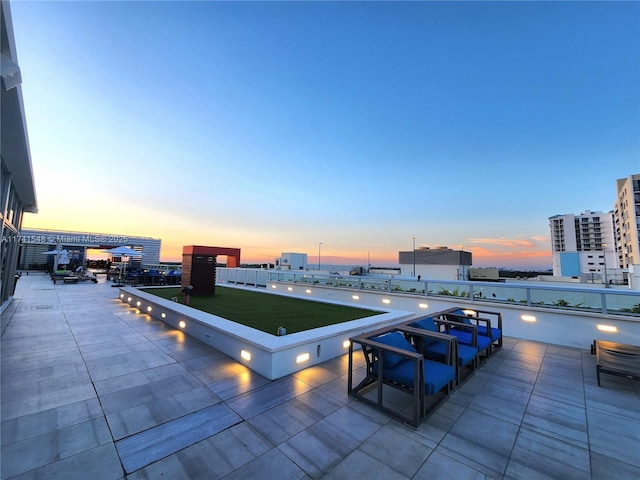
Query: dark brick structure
{"type": "Point", "coordinates": [199, 266]}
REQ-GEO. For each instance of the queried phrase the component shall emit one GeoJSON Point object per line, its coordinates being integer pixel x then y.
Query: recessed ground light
{"type": "Point", "coordinates": [607, 328]}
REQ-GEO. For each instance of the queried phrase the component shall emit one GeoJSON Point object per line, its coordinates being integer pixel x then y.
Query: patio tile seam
{"type": "Point", "coordinates": [585, 399]}
{"type": "Point", "coordinates": [90, 380]}
{"type": "Point", "coordinates": [442, 452]}
{"type": "Point", "coordinates": [590, 406]}
{"type": "Point", "coordinates": [553, 437]}
{"type": "Point", "coordinates": [98, 396]}
{"type": "Point", "coordinates": [10, 310]}
{"type": "Point", "coordinates": [520, 425]}
{"type": "Point", "coordinates": [93, 386]}
{"type": "Point", "coordinates": [494, 378]}
{"type": "Point", "coordinates": [515, 438]}
{"type": "Point", "coordinates": [499, 379]}
{"type": "Point", "coordinates": [594, 448]}
{"type": "Point", "coordinates": [17, 359]}
{"type": "Point", "coordinates": [343, 456]}
{"type": "Point", "coordinates": [137, 449]}
{"type": "Point", "coordinates": [78, 449]}
{"type": "Point", "coordinates": [149, 338]}
{"type": "Point", "coordinates": [586, 406]}
{"type": "Point", "coordinates": [150, 368]}
{"type": "Point", "coordinates": [440, 447]}
{"type": "Point", "coordinates": [75, 421]}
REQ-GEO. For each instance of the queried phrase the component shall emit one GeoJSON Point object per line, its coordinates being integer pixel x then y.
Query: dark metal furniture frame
{"type": "Point", "coordinates": [374, 353]}
{"type": "Point", "coordinates": [617, 359]}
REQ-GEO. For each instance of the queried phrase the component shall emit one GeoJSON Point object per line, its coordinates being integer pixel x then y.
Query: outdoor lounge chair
{"type": "Point", "coordinates": [466, 333]}
{"type": "Point", "coordinates": [434, 349]}
{"type": "Point", "coordinates": [69, 277]}
{"type": "Point", "coordinates": [479, 319]}
{"type": "Point", "coordinates": [392, 360]}
{"type": "Point", "coordinates": [617, 359]}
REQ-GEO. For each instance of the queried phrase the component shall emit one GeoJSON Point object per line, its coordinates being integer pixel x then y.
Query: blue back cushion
{"type": "Point", "coordinates": [465, 338]}
{"type": "Point", "coordinates": [462, 316]}
{"type": "Point", "coordinates": [495, 332]}
{"type": "Point", "coordinates": [394, 339]}
{"type": "Point", "coordinates": [425, 323]}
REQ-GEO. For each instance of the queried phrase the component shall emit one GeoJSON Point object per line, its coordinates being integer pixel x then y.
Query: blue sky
{"type": "Point", "coordinates": [273, 126]}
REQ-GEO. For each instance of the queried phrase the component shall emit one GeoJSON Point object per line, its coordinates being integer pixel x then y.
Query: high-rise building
{"type": "Point", "coordinates": [626, 212]}
{"type": "Point", "coordinates": [35, 242]}
{"type": "Point", "coordinates": [583, 245]}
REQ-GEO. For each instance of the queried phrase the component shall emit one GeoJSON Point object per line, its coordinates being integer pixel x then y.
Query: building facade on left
{"type": "Point", "coordinates": [16, 178]}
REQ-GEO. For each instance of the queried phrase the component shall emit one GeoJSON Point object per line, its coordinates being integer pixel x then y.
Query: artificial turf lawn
{"type": "Point", "coordinates": [267, 312]}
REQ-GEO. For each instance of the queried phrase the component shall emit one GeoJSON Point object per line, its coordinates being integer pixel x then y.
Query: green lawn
{"type": "Point", "coordinates": [267, 312]}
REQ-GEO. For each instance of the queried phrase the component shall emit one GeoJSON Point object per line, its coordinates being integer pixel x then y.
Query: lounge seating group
{"type": "Point", "coordinates": [66, 276]}
{"type": "Point", "coordinates": [427, 358]}
{"type": "Point", "coordinates": [482, 319]}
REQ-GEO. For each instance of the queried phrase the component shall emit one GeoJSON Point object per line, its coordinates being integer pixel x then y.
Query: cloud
{"type": "Point", "coordinates": [504, 242]}
{"type": "Point", "coordinates": [521, 251]}
{"type": "Point", "coordinates": [541, 238]}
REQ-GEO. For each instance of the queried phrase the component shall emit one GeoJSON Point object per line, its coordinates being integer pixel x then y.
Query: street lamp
{"type": "Point", "coordinates": [414, 256]}
{"type": "Point", "coordinates": [319, 245]}
{"type": "Point", "coordinates": [604, 256]}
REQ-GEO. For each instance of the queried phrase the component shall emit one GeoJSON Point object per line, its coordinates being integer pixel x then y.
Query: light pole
{"type": "Point", "coordinates": [414, 256]}
{"type": "Point", "coordinates": [604, 256]}
{"type": "Point", "coordinates": [319, 245]}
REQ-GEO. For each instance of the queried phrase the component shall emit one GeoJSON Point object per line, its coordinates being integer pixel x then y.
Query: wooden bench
{"type": "Point", "coordinates": [617, 359]}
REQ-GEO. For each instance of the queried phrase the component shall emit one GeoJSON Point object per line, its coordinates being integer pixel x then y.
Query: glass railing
{"type": "Point", "coordinates": [602, 300]}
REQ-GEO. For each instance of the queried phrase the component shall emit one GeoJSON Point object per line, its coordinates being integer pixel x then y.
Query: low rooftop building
{"type": "Point", "coordinates": [440, 262]}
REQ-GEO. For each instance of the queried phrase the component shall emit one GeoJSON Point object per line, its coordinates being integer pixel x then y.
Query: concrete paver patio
{"type": "Point", "coordinates": [93, 389]}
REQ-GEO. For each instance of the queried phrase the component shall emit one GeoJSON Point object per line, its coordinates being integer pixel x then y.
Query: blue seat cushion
{"type": "Point", "coordinates": [436, 375]}
{"type": "Point", "coordinates": [438, 351]}
{"type": "Point", "coordinates": [466, 338]}
{"type": "Point", "coordinates": [394, 339]}
{"type": "Point", "coordinates": [466, 354]}
{"type": "Point", "coordinates": [426, 323]}
{"type": "Point", "coordinates": [496, 333]}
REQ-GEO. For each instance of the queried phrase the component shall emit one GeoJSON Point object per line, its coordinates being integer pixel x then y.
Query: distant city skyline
{"type": "Point", "coordinates": [274, 126]}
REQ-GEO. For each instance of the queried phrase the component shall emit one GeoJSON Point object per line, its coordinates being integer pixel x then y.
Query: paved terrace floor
{"type": "Point", "coordinates": [92, 390]}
